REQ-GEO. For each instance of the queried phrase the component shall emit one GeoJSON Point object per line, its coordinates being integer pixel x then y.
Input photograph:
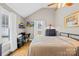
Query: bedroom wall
{"type": "Point", "coordinates": [45, 14]}
{"type": "Point", "coordinates": [18, 21]}
{"type": "Point", "coordinates": [59, 22]}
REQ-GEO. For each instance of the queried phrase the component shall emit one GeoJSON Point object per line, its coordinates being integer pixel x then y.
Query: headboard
{"type": "Point", "coordinates": [50, 32]}
{"type": "Point", "coordinates": [70, 35]}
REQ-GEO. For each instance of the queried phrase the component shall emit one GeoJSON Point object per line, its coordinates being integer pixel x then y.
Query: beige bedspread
{"type": "Point", "coordinates": [53, 46]}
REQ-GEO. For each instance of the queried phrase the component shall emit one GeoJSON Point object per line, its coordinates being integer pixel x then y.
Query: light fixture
{"type": "Point", "coordinates": [68, 4]}
{"type": "Point", "coordinates": [61, 5]}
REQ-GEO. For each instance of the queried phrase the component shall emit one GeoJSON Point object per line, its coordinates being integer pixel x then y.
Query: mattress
{"type": "Point", "coordinates": [53, 46]}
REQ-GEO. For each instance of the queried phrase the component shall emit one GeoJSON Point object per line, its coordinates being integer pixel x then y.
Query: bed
{"type": "Point", "coordinates": [53, 46]}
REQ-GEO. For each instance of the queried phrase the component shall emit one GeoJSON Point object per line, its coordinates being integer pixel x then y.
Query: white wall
{"type": "Point", "coordinates": [18, 21]}
{"type": "Point", "coordinates": [59, 22]}
{"type": "Point", "coordinates": [44, 14]}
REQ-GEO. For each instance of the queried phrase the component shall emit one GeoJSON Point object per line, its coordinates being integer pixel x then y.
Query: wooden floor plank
{"type": "Point", "coordinates": [21, 51]}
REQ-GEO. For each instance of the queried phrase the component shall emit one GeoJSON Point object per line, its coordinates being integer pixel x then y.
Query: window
{"type": "Point", "coordinates": [4, 20]}
{"type": "Point", "coordinates": [4, 25]}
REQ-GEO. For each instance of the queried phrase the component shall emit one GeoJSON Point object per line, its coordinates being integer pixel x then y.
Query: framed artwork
{"type": "Point", "coordinates": [21, 25]}
{"type": "Point", "coordinates": [30, 24]}
{"type": "Point", "coordinates": [72, 20]}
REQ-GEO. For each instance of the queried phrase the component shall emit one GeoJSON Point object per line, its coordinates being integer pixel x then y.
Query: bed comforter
{"type": "Point", "coordinates": [53, 46]}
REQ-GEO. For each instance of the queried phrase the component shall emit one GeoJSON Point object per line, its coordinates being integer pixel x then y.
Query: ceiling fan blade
{"type": "Point", "coordinates": [51, 4]}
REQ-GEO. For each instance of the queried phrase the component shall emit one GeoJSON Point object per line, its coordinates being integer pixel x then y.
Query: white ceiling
{"type": "Point", "coordinates": [26, 9]}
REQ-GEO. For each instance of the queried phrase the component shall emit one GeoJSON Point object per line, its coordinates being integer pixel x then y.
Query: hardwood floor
{"type": "Point", "coordinates": [21, 51]}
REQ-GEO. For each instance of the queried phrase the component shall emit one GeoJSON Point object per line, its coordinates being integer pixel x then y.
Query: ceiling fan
{"type": "Point", "coordinates": [60, 5]}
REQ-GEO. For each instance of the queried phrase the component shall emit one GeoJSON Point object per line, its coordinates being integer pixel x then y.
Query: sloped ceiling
{"type": "Point", "coordinates": [26, 9]}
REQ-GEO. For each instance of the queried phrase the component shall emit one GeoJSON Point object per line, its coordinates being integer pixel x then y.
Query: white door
{"type": "Point", "coordinates": [4, 31]}
{"type": "Point", "coordinates": [13, 31]}
{"type": "Point", "coordinates": [39, 29]}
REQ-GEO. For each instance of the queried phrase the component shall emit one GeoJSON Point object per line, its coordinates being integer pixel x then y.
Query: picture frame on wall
{"type": "Point", "coordinates": [30, 24]}
{"type": "Point", "coordinates": [72, 20]}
